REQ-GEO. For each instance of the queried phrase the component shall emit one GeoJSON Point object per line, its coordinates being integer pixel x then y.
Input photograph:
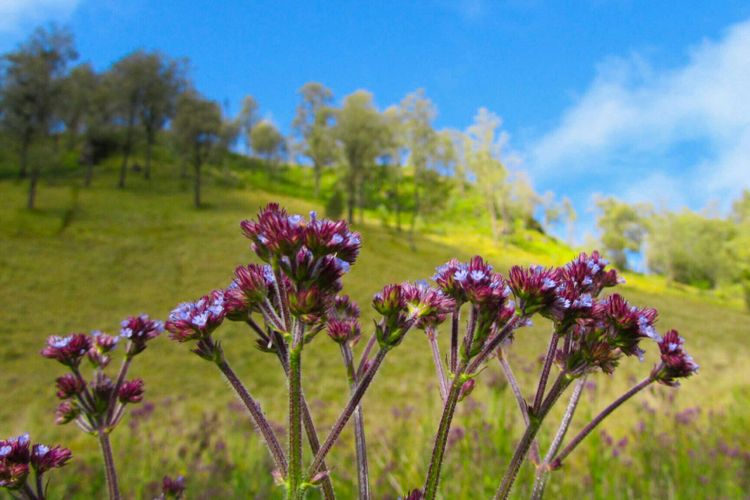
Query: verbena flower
{"type": "Point", "coordinates": [589, 275]}
{"type": "Point", "coordinates": [676, 363]}
{"type": "Point", "coordinates": [103, 344]}
{"type": "Point", "coordinates": [591, 349]}
{"type": "Point", "coordinates": [67, 350]}
{"type": "Point", "coordinates": [327, 237]}
{"type": "Point", "coordinates": [275, 233]}
{"type": "Point", "coordinates": [536, 289]}
{"type": "Point", "coordinates": [66, 412]}
{"type": "Point", "coordinates": [196, 320]}
{"type": "Point", "coordinates": [139, 330]}
{"type": "Point", "coordinates": [626, 325]}
{"type": "Point", "coordinates": [44, 458]}
{"type": "Point", "coordinates": [429, 306]}
{"type": "Point", "coordinates": [343, 320]}
{"type": "Point", "coordinates": [69, 386]}
{"type": "Point", "coordinates": [172, 488]}
{"type": "Point", "coordinates": [131, 391]}
{"type": "Point", "coordinates": [249, 289]}
{"type": "Point", "coordinates": [450, 277]}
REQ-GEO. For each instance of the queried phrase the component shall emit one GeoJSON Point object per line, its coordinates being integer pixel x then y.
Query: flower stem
{"type": "Point", "coordinates": [120, 379]}
{"type": "Point", "coordinates": [441, 438]}
{"type": "Point", "coordinates": [522, 404]}
{"type": "Point", "coordinates": [39, 486]}
{"type": "Point", "coordinates": [363, 476]}
{"type": "Point", "coordinates": [109, 466]}
{"type": "Point", "coordinates": [443, 381]}
{"type": "Point", "coordinates": [256, 413]}
{"type": "Point", "coordinates": [356, 397]}
{"type": "Point", "coordinates": [543, 469]}
{"type": "Point", "coordinates": [366, 354]}
{"type": "Point", "coordinates": [295, 420]}
{"type": "Point", "coordinates": [27, 492]}
{"type": "Point", "coordinates": [597, 420]}
{"type": "Point", "coordinates": [455, 319]}
{"type": "Point", "coordinates": [493, 343]}
{"type": "Point", "coordinates": [545, 371]}
{"type": "Point", "coordinates": [529, 435]}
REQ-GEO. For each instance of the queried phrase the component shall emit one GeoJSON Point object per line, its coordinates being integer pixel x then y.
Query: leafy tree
{"type": "Point", "coordinates": [391, 155]}
{"type": "Point", "coordinates": [623, 228]}
{"type": "Point", "coordinates": [268, 143]}
{"type": "Point", "coordinates": [420, 139]}
{"type": "Point", "coordinates": [741, 208]}
{"type": "Point", "coordinates": [127, 76]}
{"type": "Point", "coordinates": [568, 213]}
{"type": "Point", "coordinates": [247, 118]}
{"type": "Point", "coordinates": [313, 124]}
{"type": "Point", "coordinates": [360, 130]}
{"type": "Point", "coordinates": [197, 128]}
{"type": "Point", "coordinates": [32, 79]}
{"type": "Point", "coordinates": [162, 80]}
{"type": "Point", "coordinates": [77, 90]}
{"type": "Point", "coordinates": [97, 119]}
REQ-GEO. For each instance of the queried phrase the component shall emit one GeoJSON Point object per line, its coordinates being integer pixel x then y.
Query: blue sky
{"type": "Point", "coordinates": [646, 100]}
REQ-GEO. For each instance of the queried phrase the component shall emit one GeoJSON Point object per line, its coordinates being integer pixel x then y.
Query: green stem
{"type": "Point", "coordinates": [523, 406]}
{"type": "Point", "coordinates": [441, 438]}
{"type": "Point", "coordinates": [295, 421]}
{"type": "Point", "coordinates": [363, 476]}
{"type": "Point", "coordinates": [109, 466]}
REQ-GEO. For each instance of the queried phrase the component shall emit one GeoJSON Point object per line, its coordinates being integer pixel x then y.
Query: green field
{"type": "Point", "coordinates": [86, 258]}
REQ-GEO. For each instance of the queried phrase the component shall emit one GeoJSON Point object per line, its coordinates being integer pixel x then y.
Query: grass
{"type": "Point", "coordinates": [87, 258]}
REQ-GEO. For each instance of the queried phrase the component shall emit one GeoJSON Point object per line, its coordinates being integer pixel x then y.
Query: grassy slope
{"type": "Point", "coordinates": [87, 258]}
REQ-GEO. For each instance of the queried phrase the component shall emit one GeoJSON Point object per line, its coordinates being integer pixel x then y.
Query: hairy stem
{"type": "Point", "coordinates": [295, 417]}
{"type": "Point", "coordinates": [542, 471]}
{"type": "Point", "coordinates": [455, 320]}
{"type": "Point", "coordinates": [522, 404]}
{"type": "Point", "coordinates": [597, 420]}
{"type": "Point", "coordinates": [529, 435]}
{"type": "Point", "coordinates": [545, 370]}
{"type": "Point", "coordinates": [441, 438]}
{"type": "Point", "coordinates": [39, 485]}
{"type": "Point", "coordinates": [366, 354]}
{"type": "Point", "coordinates": [261, 423]}
{"type": "Point", "coordinates": [443, 381]}
{"type": "Point", "coordinates": [109, 466]}
{"type": "Point", "coordinates": [356, 397]}
{"type": "Point", "coordinates": [120, 379]}
{"type": "Point", "coordinates": [493, 343]}
{"type": "Point", "coordinates": [363, 475]}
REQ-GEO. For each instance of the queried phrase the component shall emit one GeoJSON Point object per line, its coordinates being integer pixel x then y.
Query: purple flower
{"type": "Point", "coordinates": [676, 363]}
{"type": "Point", "coordinates": [275, 233]}
{"type": "Point", "coordinates": [67, 411]}
{"type": "Point", "coordinates": [69, 386]}
{"type": "Point", "coordinates": [588, 274]}
{"type": "Point", "coordinates": [44, 458]}
{"type": "Point", "coordinates": [14, 461]}
{"type": "Point", "coordinates": [327, 237]}
{"type": "Point", "coordinates": [139, 330]}
{"type": "Point", "coordinates": [626, 325]}
{"type": "Point", "coordinates": [196, 320]}
{"type": "Point", "coordinates": [172, 488]}
{"type": "Point", "coordinates": [429, 306]}
{"type": "Point", "coordinates": [67, 350]}
{"type": "Point", "coordinates": [131, 391]}
{"type": "Point", "coordinates": [343, 325]}
{"type": "Point", "coordinates": [450, 277]}
{"type": "Point", "coordinates": [250, 288]}
{"type": "Point", "coordinates": [536, 289]}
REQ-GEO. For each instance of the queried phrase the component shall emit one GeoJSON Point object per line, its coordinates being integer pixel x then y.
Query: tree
{"type": "Point", "coordinates": [392, 153]}
{"type": "Point", "coordinates": [31, 86]}
{"type": "Point", "coordinates": [247, 118]}
{"type": "Point", "coordinates": [77, 90]}
{"type": "Point", "coordinates": [162, 80]}
{"type": "Point", "coordinates": [312, 124]}
{"type": "Point", "coordinates": [482, 148]}
{"type": "Point", "coordinates": [127, 76]}
{"type": "Point", "coordinates": [197, 128]}
{"type": "Point", "coordinates": [268, 143]}
{"type": "Point", "coordinates": [420, 139]}
{"type": "Point", "coordinates": [569, 215]}
{"type": "Point", "coordinates": [360, 131]}
{"type": "Point", "coordinates": [623, 228]}
{"type": "Point", "coordinates": [97, 120]}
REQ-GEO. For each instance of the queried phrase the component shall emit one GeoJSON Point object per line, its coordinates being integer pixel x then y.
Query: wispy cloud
{"type": "Point", "coordinates": [648, 131]}
{"type": "Point", "coordinates": [17, 14]}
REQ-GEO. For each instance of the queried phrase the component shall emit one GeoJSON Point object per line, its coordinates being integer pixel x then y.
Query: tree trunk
{"type": "Point", "coordinates": [25, 142]}
{"type": "Point", "coordinates": [33, 180]}
{"type": "Point", "coordinates": [149, 145]}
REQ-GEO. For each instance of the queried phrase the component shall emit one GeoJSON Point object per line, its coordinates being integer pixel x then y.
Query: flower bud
{"type": "Point", "coordinates": [676, 363]}
{"type": "Point", "coordinates": [69, 385]}
{"type": "Point", "coordinates": [139, 330]}
{"type": "Point", "coordinates": [131, 391]}
{"type": "Point", "coordinates": [67, 350]}
{"type": "Point", "coordinates": [44, 458]}
{"type": "Point", "coordinates": [466, 389]}
{"type": "Point", "coordinates": [172, 488]}
{"type": "Point", "coordinates": [66, 412]}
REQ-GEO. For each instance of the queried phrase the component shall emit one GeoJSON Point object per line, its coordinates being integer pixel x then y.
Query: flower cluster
{"type": "Point", "coordinates": [197, 320]}
{"type": "Point", "coordinates": [406, 305]}
{"type": "Point", "coordinates": [99, 403]}
{"type": "Point", "coordinates": [172, 488]}
{"type": "Point", "coordinates": [343, 320]}
{"type": "Point", "coordinates": [249, 291]}
{"type": "Point", "coordinates": [18, 457]}
{"type": "Point", "coordinates": [675, 362]}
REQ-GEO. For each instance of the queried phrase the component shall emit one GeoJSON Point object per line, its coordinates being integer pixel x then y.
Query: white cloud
{"type": "Point", "coordinates": [16, 14]}
{"type": "Point", "coordinates": [684, 131]}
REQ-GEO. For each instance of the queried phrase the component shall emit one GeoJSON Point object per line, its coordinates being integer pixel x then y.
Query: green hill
{"type": "Point", "coordinates": [89, 257]}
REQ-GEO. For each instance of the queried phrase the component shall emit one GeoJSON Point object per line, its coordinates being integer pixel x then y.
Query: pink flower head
{"type": "Point", "coordinates": [536, 289]}
{"type": "Point", "coordinates": [275, 233]}
{"type": "Point", "coordinates": [626, 325]}
{"type": "Point", "coordinates": [69, 386]}
{"type": "Point", "coordinates": [589, 275]}
{"type": "Point", "coordinates": [14, 462]}
{"type": "Point", "coordinates": [676, 363]}
{"type": "Point", "coordinates": [131, 391]}
{"type": "Point", "coordinates": [591, 349]}
{"type": "Point", "coordinates": [310, 304]}
{"type": "Point", "coordinates": [44, 458]}
{"type": "Point", "coordinates": [450, 277]}
{"type": "Point", "coordinates": [139, 330]}
{"type": "Point", "coordinates": [429, 306]}
{"type": "Point", "coordinates": [66, 412]}
{"type": "Point", "coordinates": [16, 450]}
{"type": "Point", "coordinates": [67, 350]}
{"type": "Point", "coordinates": [103, 344]}
{"type": "Point", "coordinates": [250, 288]}
{"type": "Point", "coordinates": [327, 237]}
{"type": "Point", "coordinates": [343, 325]}
{"type": "Point", "coordinates": [196, 320]}
{"type": "Point", "coordinates": [172, 488]}
{"type": "Point", "coordinates": [390, 302]}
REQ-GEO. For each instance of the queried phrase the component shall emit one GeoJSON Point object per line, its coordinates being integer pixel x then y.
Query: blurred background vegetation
{"type": "Point", "coordinates": [121, 192]}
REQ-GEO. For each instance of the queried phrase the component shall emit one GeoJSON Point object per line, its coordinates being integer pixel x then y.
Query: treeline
{"type": "Point", "coordinates": [700, 249]}
{"type": "Point", "coordinates": [393, 161]}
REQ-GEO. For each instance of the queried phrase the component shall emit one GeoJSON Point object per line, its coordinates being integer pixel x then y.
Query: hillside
{"type": "Point", "coordinates": [86, 258]}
